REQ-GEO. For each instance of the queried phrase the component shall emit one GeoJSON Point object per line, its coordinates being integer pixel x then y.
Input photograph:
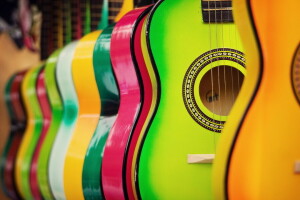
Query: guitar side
{"type": "Point", "coordinates": [18, 108]}
{"type": "Point", "coordinates": [271, 155]}
{"type": "Point", "coordinates": [8, 144]}
{"type": "Point", "coordinates": [31, 134]}
{"type": "Point", "coordinates": [108, 89]}
{"type": "Point", "coordinates": [70, 113]}
{"type": "Point", "coordinates": [249, 39]}
{"type": "Point", "coordinates": [56, 115]}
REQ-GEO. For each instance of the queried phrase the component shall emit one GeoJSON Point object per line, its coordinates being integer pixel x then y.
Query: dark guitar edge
{"type": "Point", "coordinates": [148, 22]}
{"type": "Point", "coordinates": [291, 73]}
{"type": "Point", "coordinates": [139, 77]}
{"type": "Point", "coordinates": [260, 53]}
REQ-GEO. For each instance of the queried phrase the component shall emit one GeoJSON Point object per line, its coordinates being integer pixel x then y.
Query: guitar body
{"type": "Point", "coordinates": [31, 134]}
{"type": "Point", "coordinates": [70, 109]}
{"type": "Point", "coordinates": [46, 113]}
{"type": "Point", "coordinates": [8, 144]}
{"type": "Point", "coordinates": [56, 116]}
{"type": "Point", "coordinates": [194, 68]}
{"type": "Point", "coordinates": [146, 107]}
{"type": "Point", "coordinates": [262, 154]}
{"type": "Point", "coordinates": [108, 90]}
{"type": "Point", "coordinates": [126, 72]}
{"type": "Point", "coordinates": [88, 114]}
{"type": "Point", "coordinates": [19, 112]}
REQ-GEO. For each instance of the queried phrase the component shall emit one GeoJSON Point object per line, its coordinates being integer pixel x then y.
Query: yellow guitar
{"type": "Point", "coordinates": [31, 134]}
{"type": "Point", "coordinates": [258, 156]}
{"type": "Point", "coordinates": [88, 113]}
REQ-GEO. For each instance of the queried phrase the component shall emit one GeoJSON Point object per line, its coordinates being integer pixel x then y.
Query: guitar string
{"type": "Point", "coordinates": [224, 67]}
{"type": "Point", "coordinates": [237, 47]}
{"type": "Point", "coordinates": [231, 68]}
{"type": "Point", "coordinates": [211, 73]}
{"type": "Point", "coordinates": [218, 97]}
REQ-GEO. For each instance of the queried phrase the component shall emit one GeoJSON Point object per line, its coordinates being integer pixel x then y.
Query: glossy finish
{"type": "Point", "coordinates": [146, 108]}
{"type": "Point", "coordinates": [12, 121]}
{"type": "Point", "coordinates": [264, 146]}
{"type": "Point", "coordinates": [46, 113]}
{"type": "Point", "coordinates": [252, 51]}
{"type": "Point", "coordinates": [130, 101]}
{"type": "Point", "coordinates": [31, 134]}
{"type": "Point", "coordinates": [108, 90]}
{"type": "Point", "coordinates": [176, 37]}
{"type": "Point", "coordinates": [56, 116]}
{"type": "Point", "coordinates": [20, 117]}
{"type": "Point", "coordinates": [88, 114]}
{"type": "Point", "coordinates": [70, 112]}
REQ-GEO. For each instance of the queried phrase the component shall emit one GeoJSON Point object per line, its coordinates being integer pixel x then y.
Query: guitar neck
{"type": "Point", "coordinates": [67, 22]}
{"type": "Point", "coordinates": [217, 11]}
{"type": "Point", "coordinates": [46, 36]}
{"type": "Point", "coordinates": [57, 24]}
{"type": "Point", "coordinates": [76, 20]}
{"type": "Point", "coordinates": [114, 9]}
{"type": "Point", "coordinates": [86, 16]}
{"type": "Point", "coordinates": [96, 13]}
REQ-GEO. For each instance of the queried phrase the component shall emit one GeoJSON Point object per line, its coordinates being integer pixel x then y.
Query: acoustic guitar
{"type": "Point", "coordinates": [259, 156]}
{"type": "Point", "coordinates": [149, 95]}
{"type": "Point", "coordinates": [46, 116]}
{"type": "Point", "coordinates": [127, 76]}
{"type": "Point", "coordinates": [12, 127]}
{"type": "Point", "coordinates": [56, 115]}
{"type": "Point", "coordinates": [88, 114]}
{"type": "Point", "coordinates": [90, 131]}
{"type": "Point", "coordinates": [69, 100]}
{"type": "Point", "coordinates": [17, 108]}
{"type": "Point", "coordinates": [108, 90]}
{"type": "Point", "coordinates": [31, 134]}
{"type": "Point", "coordinates": [55, 102]}
{"type": "Point", "coordinates": [198, 78]}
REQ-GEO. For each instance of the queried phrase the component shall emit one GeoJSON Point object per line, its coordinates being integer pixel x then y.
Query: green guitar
{"type": "Point", "coordinates": [196, 52]}
{"type": "Point", "coordinates": [110, 102]}
{"type": "Point", "coordinates": [12, 119]}
{"type": "Point", "coordinates": [108, 89]}
{"type": "Point", "coordinates": [56, 116]}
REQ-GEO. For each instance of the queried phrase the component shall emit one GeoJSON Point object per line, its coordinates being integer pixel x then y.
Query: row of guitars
{"type": "Point", "coordinates": [138, 110]}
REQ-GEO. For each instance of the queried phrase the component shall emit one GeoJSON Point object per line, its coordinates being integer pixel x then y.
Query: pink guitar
{"type": "Point", "coordinates": [126, 71]}
{"type": "Point", "coordinates": [46, 112]}
{"type": "Point", "coordinates": [145, 113]}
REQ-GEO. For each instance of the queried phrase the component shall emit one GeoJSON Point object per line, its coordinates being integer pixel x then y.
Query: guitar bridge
{"type": "Point", "coordinates": [200, 158]}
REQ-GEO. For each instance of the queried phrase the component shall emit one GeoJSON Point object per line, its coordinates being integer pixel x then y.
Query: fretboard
{"type": "Point", "coordinates": [217, 11]}
{"type": "Point", "coordinates": [96, 8]}
{"type": "Point", "coordinates": [76, 20]}
{"type": "Point", "coordinates": [67, 21]}
{"type": "Point", "coordinates": [114, 9]}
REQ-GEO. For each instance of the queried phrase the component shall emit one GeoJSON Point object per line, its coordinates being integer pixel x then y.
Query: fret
{"type": "Point", "coordinates": [114, 9]}
{"type": "Point", "coordinates": [96, 13]}
{"type": "Point", "coordinates": [217, 11]}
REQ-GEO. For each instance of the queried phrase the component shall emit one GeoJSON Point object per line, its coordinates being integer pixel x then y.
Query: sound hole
{"type": "Point", "coordinates": [219, 88]}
